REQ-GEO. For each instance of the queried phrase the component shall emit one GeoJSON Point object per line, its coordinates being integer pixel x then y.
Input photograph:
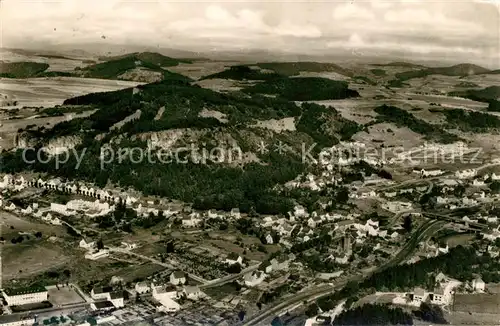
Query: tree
{"type": "Point", "coordinates": [38, 235]}
{"type": "Point", "coordinates": [241, 315]}
{"type": "Point", "coordinates": [170, 246]}
{"type": "Point", "coordinates": [342, 196]}
{"type": "Point", "coordinates": [67, 273]}
{"type": "Point", "coordinates": [408, 223]}
{"type": "Point", "coordinates": [100, 244]}
{"type": "Point", "coordinates": [234, 268]}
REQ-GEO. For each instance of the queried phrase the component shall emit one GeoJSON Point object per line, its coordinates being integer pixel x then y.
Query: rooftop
{"type": "Point", "coordinates": [27, 290]}
{"type": "Point", "coordinates": [179, 274]}
{"type": "Point", "coordinates": [103, 304]}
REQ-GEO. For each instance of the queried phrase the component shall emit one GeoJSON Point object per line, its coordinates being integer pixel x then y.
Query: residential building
{"type": "Point", "coordinates": [178, 278]}
{"type": "Point", "coordinates": [465, 174]}
{"type": "Point", "coordinates": [101, 293]}
{"type": "Point", "coordinates": [192, 292]}
{"type": "Point", "coordinates": [86, 245]}
{"type": "Point", "coordinates": [129, 246]}
{"type": "Point", "coordinates": [103, 253]}
{"type": "Point", "coordinates": [235, 213]}
{"type": "Point", "coordinates": [281, 262]}
{"type": "Point", "coordinates": [438, 297]}
{"type": "Point", "coordinates": [18, 297]}
{"type": "Point", "coordinates": [419, 296]}
{"type": "Point", "coordinates": [116, 299]}
{"type": "Point", "coordinates": [142, 287]}
{"type": "Point", "coordinates": [234, 258]}
{"type": "Point", "coordinates": [16, 319]}
{"type": "Point", "coordinates": [478, 285]}
{"type": "Point", "coordinates": [255, 278]}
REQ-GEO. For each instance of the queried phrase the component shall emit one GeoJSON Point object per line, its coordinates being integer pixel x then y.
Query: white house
{"type": "Point", "coordinates": [495, 177]}
{"type": "Point", "coordinates": [60, 209]}
{"type": "Point", "coordinates": [103, 253]}
{"type": "Point", "coordinates": [177, 278]}
{"type": "Point", "coordinates": [465, 174]}
{"type": "Point", "coordinates": [234, 258]}
{"type": "Point", "coordinates": [254, 279]}
{"type": "Point", "coordinates": [438, 297]}
{"type": "Point", "coordinates": [142, 287]}
{"type": "Point", "coordinates": [163, 291]}
{"type": "Point", "coordinates": [129, 246]}
{"type": "Point", "coordinates": [193, 220]}
{"type": "Point", "coordinates": [235, 213]}
{"type": "Point", "coordinates": [299, 211]}
{"type": "Point", "coordinates": [419, 296]}
{"type": "Point", "coordinates": [86, 245]}
{"type": "Point", "coordinates": [20, 297]}
{"type": "Point", "coordinates": [478, 285]}
{"type": "Point", "coordinates": [192, 292]}
{"type": "Point", "coordinates": [478, 183]}
{"type": "Point", "coordinates": [116, 299]}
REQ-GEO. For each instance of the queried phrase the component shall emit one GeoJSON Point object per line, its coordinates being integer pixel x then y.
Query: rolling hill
{"type": "Point", "coordinates": [117, 67]}
{"type": "Point", "coordinates": [295, 68]}
{"type": "Point", "coordinates": [304, 89]}
{"type": "Point", "coordinates": [248, 184]}
{"type": "Point", "coordinates": [464, 69]}
{"type": "Point", "coordinates": [243, 72]}
{"type": "Point", "coordinates": [22, 69]}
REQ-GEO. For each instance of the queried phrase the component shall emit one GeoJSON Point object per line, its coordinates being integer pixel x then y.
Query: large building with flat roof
{"type": "Point", "coordinates": [19, 297]}
{"type": "Point", "coordinates": [16, 320]}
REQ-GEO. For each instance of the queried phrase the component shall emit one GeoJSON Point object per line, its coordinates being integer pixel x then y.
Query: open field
{"type": "Point", "coordinates": [64, 296]}
{"type": "Point", "coordinates": [56, 63]}
{"type": "Point", "coordinates": [477, 303]}
{"type": "Point", "coordinates": [201, 68]}
{"type": "Point", "coordinates": [47, 92]}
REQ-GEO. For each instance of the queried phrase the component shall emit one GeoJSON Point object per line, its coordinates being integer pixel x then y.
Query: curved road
{"type": "Point", "coordinates": [425, 231]}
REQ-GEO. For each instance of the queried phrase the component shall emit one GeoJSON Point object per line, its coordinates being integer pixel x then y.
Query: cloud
{"type": "Point", "coordinates": [352, 11]}
{"type": "Point", "coordinates": [419, 27]}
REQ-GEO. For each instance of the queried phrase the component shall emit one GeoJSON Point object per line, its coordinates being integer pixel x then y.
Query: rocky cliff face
{"type": "Point", "coordinates": [62, 144]}
{"type": "Point", "coordinates": [53, 147]}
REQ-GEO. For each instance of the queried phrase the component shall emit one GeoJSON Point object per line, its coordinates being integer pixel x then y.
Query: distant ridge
{"type": "Point", "coordinates": [399, 64]}
{"type": "Point", "coordinates": [294, 68]}
{"type": "Point", "coordinates": [463, 69]}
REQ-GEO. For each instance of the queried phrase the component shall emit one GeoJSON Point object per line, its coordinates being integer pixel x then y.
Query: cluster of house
{"type": "Point", "coordinates": [167, 295]}
{"type": "Point", "coordinates": [442, 295]}
{"type": "Point", "coordinates": [105, 298]}
{"type": "Point", "coordinates": [280, 263]}
{"type": "Point", "coordinates": [194, 219]}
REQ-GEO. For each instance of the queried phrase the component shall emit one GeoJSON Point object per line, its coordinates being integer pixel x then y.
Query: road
{"type": "Point", "coordinates": [229, 278]}
{"type": "Point", "coordinates": [456, 220]}
{"type": "Point", "coordinates": [424, 232]}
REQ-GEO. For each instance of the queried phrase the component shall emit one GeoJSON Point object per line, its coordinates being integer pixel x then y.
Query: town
{"type": "Point", "coordinates": [253, 258]}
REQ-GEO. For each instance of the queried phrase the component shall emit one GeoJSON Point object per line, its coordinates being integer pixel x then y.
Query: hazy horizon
{"type": "Point", "coordinates": [412, 31]}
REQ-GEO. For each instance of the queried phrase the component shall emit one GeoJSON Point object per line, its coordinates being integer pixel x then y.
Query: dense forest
{"type": "Point", "coordinates": [211, 185]}
{"type": "Point", "coordinates": [304, 89]}
{"type": "Point", "coordinates": [22, 69]}
{"type": "Point", "coordinates": [374, 314]}
{"type": "Point", "coordinates": [471, 121]}
{"type": "Point", "coordinates": [243, 73]}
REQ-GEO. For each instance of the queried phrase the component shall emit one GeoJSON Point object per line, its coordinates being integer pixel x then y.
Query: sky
{"type": "Point", "coordinates": [457, 30]}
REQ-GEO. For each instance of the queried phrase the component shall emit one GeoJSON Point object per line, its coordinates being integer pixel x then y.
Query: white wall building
{"type": "Point", "coordinates": [25, 296]}
{"type": "Point", "coordinates": [177, 278]}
